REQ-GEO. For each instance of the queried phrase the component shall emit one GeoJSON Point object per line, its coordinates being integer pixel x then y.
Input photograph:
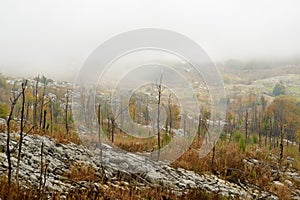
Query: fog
{"type": "Point", "coordinates": [55, 37]}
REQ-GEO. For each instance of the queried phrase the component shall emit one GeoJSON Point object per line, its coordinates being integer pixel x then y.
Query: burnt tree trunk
{"type": "Point", "coordinates": [35, 104]}
{"type": "Point", "coordinates": [8, 151]}
{"type": "Point", "coordinates": [159, 90]}
{"type": "Point", "coordinates": [21, 131]}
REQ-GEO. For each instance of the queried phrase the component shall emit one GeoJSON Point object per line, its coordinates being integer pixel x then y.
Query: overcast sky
{"type": "Point", "coordinates": [55, 37]}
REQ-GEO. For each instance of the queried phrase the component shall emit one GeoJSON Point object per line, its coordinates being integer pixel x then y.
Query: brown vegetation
{"type": "Point", "coordinates": [81, 172]}
{"type": "Point", "coordinates": [255, 129]}
{"type": "Point", "coordinates": [107, 192]}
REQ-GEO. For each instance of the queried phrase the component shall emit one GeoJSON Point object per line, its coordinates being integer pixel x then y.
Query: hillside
{"type": "Point", "coordinates": [256, 156]}
{"type": "Point", "coordinates": [71, 167]}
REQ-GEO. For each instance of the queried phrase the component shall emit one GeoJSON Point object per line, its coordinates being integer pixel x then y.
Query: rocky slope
{"type": "Point", "coordinates": [118, 166]}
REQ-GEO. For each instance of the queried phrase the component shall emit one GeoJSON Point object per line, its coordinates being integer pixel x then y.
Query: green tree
{"type": "Point", "coordinates": [286, 112]}
{"type": "Point", "coordinates": [279, 89]}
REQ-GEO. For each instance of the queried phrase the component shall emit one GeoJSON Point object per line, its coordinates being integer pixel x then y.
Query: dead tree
{"type": "Point", "coordinates": [212, 164]}
{"type": "Point", "coordinates": [44, 165]}
{"type": "Point", "coordinates": [170, 113]}
{"type": "Point", "coordinates": [42, 100]}
{"type": "Point", "coordinates": [35, 104]}
{"type": "Point", "coordinates": [160, 89]}
{"type": "Point", "coordinates": [13, 102]}
{"type": "Point", "coordinates": [99, 137]}
{"type": "Point", "coordinates": [43, 173]}
{"type": "Point", "coordinates": [112, 120]}
{"type": "Point", "coordinates": [44, 121]}
{"type": "Point", "coordinates": [51, 100]}
{"type": "Point", "coordinates": [21, 131]}
{"type": "Point", "coordinates": [281, 145]}
{"type": "Point", "coordinates": [270, 134]}
{"type": "Point", "coordinates": [281, 123]}
{"type": "Point", "coordinates": [51, 116]}
{"type": "Point", "coordinates": [199, 128]}
{"type": "Point", "coordinates": [246, 125]}
{"type": "Point", "coordinates": [66, 111]}
{"type": "Point", "coordinates": [113, 124]}
{"type": "Point", "coordinates": [99, 124]}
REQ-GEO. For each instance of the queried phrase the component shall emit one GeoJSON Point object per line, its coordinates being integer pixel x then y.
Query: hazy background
{"type": "Point", "coordinates": [55, 37]}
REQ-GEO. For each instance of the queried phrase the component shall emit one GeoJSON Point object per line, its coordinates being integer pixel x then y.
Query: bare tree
{"type": "Point", "coordinates": [13, 102]}
{"type": "Point", "coordinates": [160, 89]}
{"type": "Point", "coordinates": [99, 124]}
{"type": "Point", "coordinates": [212, 163]}
{"type": "Point", "coordinates": [35, 104]}
{"type": "Point", "coordinates": [281, 125]}
{"type": "Point", "coordinates": [44, 121]}
{"type": "Point", "coordinates": [43, 173]}
{"type": "Point", "coordinates": [66, 111]}
{"type": "Point", "coordinates": [113, 124]}
{"type": "Point", "coordinates": [246, 125]}
{"type": "Point", "coordinates": [170, 113]}
{"type": "Point", "coordinates": [99, 137]}
{"type": "Point", "coordinates": [51, 116]}
{"type": "Point", "coordinates": [43, 169]}
{"type": "Point", "coordinates": [112, 120]}
{"type": "Point", "coordinates": [270, 133]}
{"type": "Point", "coordinates": [199, 128]}
{"type": "Point", "coordinates": [21, 131]}
{"type": "Point", "coordinates": [44, 80]}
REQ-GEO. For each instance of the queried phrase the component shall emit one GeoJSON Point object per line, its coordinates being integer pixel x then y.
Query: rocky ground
{"type": "Point", "coordinates": [120, 167]}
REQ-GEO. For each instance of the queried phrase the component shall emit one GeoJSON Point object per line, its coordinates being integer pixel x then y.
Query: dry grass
{"type": "Point", "coordinates": [227, 156]}
{"type": "Point", "coordinates": [134, 144]}
{"type": "Point", "coordinates": [2, 128]}
{"type": "Point", "coordinates": [229, 159]}
{"type": "Point", "coordinates": [62, 137]}
{"type": "Point", "coordinates": [229, 163]}
{"type": "Point", "coordinates": [14, 193]}
{"type": "Point", "coordinates": [129, 143]}
{"type": "Point", "coordinates": [283, 192]}
{"type": "Point", "coordinates": [81, 172]}
{"type": "Point", "coordinates": [105, 192]}
{"type": "Point", "coordinates": [158, 193]}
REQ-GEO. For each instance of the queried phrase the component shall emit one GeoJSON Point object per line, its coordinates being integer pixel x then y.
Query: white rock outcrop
{"type": "Point", "coordinates": [116, 164]}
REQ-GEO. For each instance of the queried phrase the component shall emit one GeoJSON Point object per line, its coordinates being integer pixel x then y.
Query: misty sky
{"type": "Point", "coordinates": [55, 37]}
